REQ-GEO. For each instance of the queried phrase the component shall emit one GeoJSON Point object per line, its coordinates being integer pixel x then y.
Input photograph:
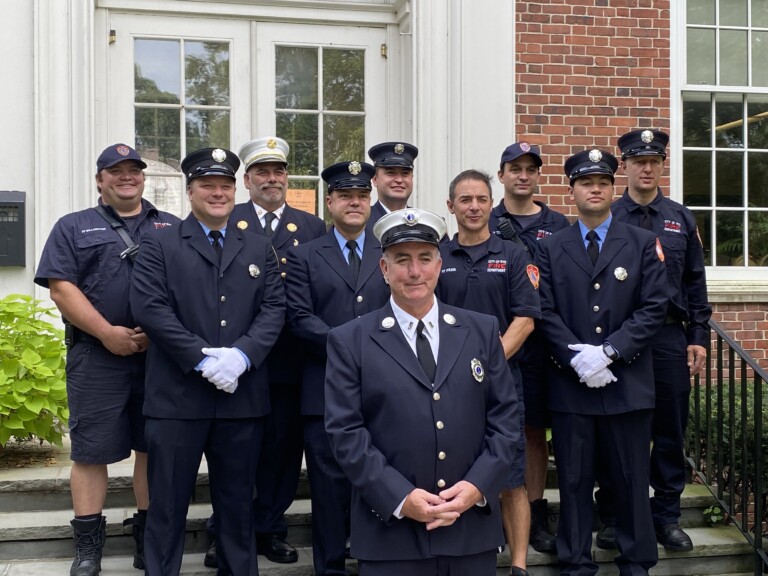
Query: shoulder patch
{"type": "Point", "coordinates": [659, 251]}
{"type": "Point", "coordinates": [533, 275]}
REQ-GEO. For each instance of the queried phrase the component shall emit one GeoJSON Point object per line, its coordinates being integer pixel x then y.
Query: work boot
{"type": "Point", "coordinates": [606, 535]}
{"type": "Point", "coordinates": [138, 522]}
{"type": "Point", "coordinates": [540, 537]}
{"type": "Point", "coordinates": [89, 538]}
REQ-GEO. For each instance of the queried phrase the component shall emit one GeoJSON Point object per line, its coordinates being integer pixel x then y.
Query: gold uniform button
{"type": "Point", "coordinates": [436, 396]}
{"type": "Point", "coordinates": [283, 261]}
{"type": "Point", "coordinates": [359, 298]}
{"type": "Point", "coordinates": [596, 286]}
{"type": "Point", "coordinates": [441, 455]}
{"type": "Point", "coordinates": [595, 308]}
{"type": "Point", "coordinates": [282, 275]}
{"type": "Point", "coordinates": [439, 425]}
{"type": "Point", "coordinates": [223, 298]}
{"type": "Point", "coordinates": [223, 323]}
{"type": "Point", "coordinates": [441, 483]}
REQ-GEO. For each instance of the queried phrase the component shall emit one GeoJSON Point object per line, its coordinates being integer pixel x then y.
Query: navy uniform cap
{"type": "Point", "coordinates": [409, 225]}
{"type": "Point", "coordinates": [514, 151]}
{"type": "Point", "coordinates": [349, 175]}
{"type": "Point", "coordinates": [393, 154]}
{"type": "Point", "coordinates": [115, 154]}
{"type": "Point", "coordinates": [644, 143]}
{"type": "Point", "coordinates": [591, 162]}
{"type": "Point", "coordinates": [210, 162]}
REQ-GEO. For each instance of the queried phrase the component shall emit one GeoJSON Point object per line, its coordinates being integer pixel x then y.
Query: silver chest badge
{"type": "Point", "coordinates": [477, 370]}
{"type": "Point", "coordinates": [620, 273]}
{"type": "Point", "coordinates": [254, 271]}
{"type": "Point", "coordinates": [388, 322]}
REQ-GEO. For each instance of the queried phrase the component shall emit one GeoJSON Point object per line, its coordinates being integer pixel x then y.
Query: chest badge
{"type": "Point", "coordinates": [295, 242]}
{"type": "Point", "coordinates": [292, 227]}
{"type": "Point", "coordinates": [620, 273]}
{"type": "Point", "coordinates": [242, 224]}
{"type": "Point", "coordinates": [254, 271]}
{"type": "Point", "coordinates": [449, 319]}
{"type": "Point", "coordinates": [477, 370]}
{"type": "Point", "coordinates": [388, 322]}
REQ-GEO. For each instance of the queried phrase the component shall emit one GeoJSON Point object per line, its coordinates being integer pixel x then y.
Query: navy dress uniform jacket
{"type": "Point", "coordinates": [377, 211]}
{"type": "Point", "coordinates": [295, 227]}
{"type": "Point", "coordinates": [622, 300]}
{"type": "Point", "coordinates": [321, 295]}
{"type": "Point", "coordinates": [392, 431]}
{"type": "Point", "coordinates": [186, 301]}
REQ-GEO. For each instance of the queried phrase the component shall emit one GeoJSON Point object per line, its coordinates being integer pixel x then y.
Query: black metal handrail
{"type": "Point", "coordinates": [725, 440]}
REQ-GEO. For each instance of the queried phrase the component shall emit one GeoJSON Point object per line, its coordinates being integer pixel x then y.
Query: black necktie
{"type": "Point", "coordinates": [424, 352]}
{"type": "Point", "coordinates": [354, 259]}
{"type": "Point", "coordinates": [593, 248]}
{"type": "Point", "coordinates": [215, 236]}
{"type": "Point", "coordinates": [645, 220]}
{"type": "Point", "coordinates": [268, 218]}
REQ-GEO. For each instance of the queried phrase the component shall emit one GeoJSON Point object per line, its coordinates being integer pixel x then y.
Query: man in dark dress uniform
{"type": "Point", "coordinates": [330, 281]}
{"type": "Point", "coordinates": [603, 299]}
{"type": "Point", "coordinates": [422, 415]}
{"type": "Point", "coordinates": [209, 296]}
{"type": "Point", "coordinates": [678, 349]}
{"type": "Point", "coordinates": [393, 178]}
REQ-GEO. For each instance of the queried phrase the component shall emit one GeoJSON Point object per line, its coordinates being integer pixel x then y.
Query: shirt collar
{"type": "Point", "coordinates": [601, 230]}
{"type": "Point", "coordinates": [260, 212]}
{"type": "Point", "coordinates": [208, 230]}
{"type": "Point", "coordinates": [408, 323]}
{"type": "Point", "coordinates": [343, 241]}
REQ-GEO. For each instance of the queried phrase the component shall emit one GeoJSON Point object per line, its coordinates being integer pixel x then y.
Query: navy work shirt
{"type": "Point", "coordinates": [675, 225]}
{"type": "Point", "coordinates": [499, 280]}
{"type": "Point", "coordinates": [83, 249]}
{"type": "Point", "coordinates": [546, 224]}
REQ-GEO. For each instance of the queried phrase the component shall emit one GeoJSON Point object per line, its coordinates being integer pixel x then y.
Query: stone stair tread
{"type": "Point", "coordinates": [192, 565]}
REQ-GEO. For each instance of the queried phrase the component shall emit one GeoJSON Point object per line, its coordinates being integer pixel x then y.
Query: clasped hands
{"type": "Point", "coordinates": [222, 367]}
{"type": "Point", "coordinates": [443, 509]}
{"type": "Point", "coordinates": [591, 364]}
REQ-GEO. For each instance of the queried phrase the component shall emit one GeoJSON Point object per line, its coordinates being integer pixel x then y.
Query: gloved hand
{"type": "Point", "coordinates": [589, 360]}
{"type": "Point", "coordinates": [228, 388]}
{"type": "Point", "coordinates": [206, 362]}
{"type": "Point", "coordinates": [600, 378]}
{"type": "Point", "coordinates": [228, 367]}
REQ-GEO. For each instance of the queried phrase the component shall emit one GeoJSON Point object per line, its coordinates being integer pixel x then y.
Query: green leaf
{"type": "Point", "coordinates": [35, 404]}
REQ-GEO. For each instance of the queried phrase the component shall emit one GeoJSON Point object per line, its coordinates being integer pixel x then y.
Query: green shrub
{"type": "Point", "coordinates": [33, 392]}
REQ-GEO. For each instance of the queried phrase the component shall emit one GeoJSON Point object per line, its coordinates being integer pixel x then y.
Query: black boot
{"type": "Point", "coordinates": [89, 541]}
{"type": "Point", "coordinates": [138, 522]}
{"type": "Point", "coordinates": [540, 537]}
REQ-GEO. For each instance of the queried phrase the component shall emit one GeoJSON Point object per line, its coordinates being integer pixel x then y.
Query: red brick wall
{"type": "Point", "coordinates": [588, 71]}
{"type": "Point", "coordinates": [748, 325]}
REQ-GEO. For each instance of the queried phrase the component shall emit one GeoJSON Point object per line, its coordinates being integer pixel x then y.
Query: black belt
{"type": "Point", "coordinates": [672, 320]}
{"type": "Point", "coordinates": [85, 338]}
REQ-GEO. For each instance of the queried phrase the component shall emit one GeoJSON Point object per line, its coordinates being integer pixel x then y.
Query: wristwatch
{"type": "Point", "coordinates": [610, 351]}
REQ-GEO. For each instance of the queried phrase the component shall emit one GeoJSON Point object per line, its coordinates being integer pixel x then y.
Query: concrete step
{"type": "Point", "coordinates": [717, 551]}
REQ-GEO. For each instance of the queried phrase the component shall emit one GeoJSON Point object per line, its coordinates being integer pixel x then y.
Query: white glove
{"type": "Point", "coordinates": [228, 367]}
{"type": "Point", "coordinates": [228, 388]}
{"type": "Point", "coordinates": [589, 360]}
{"type": "Point", "coordinates": [600, 378]}
{"type": "Point", "coordinates": [206, 362]}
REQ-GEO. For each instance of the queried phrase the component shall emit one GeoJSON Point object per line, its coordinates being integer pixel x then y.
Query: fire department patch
{"type": "Point", "coordinates": [533, 275]}
{"type": "Point", "coordinates": [497, 266]}
{"type": "Point", "coordinates": [659, 251]}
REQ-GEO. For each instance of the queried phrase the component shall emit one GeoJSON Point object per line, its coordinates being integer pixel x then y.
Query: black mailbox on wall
{"type": "Point", "coordinates": [12, 228]}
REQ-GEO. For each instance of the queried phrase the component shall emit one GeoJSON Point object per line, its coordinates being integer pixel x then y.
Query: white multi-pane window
{"type": "Point", "coordinates": [725, 129]}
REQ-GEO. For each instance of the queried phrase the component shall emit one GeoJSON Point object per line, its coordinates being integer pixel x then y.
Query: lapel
{"type": "Point", "coordinates": [613, 243]}
{"type": "Point", "coordinates": [452, 338]}
{"type": "Point", "coordinates": [233, 243]}
{"type": "Point", "coordinates": [193, 233]}
{"type": "Point", "coordinates": [331, 253]}
{"type": "Point", "coordinates": [573, 245]}
{"type": "Point", "coordinates": [282, 233]}
{"type": "Point", "coordinates": [247, 214]}
{"type": "Point", "coordinates": [371, 258]}
{"type": "Point", "coordinates": [393, 343]}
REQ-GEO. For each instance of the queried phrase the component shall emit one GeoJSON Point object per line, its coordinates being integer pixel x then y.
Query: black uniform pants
{"type": "Point", "coordinates": [231, 449]}
{"type": "Point", "coordinates": [623, 440]}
